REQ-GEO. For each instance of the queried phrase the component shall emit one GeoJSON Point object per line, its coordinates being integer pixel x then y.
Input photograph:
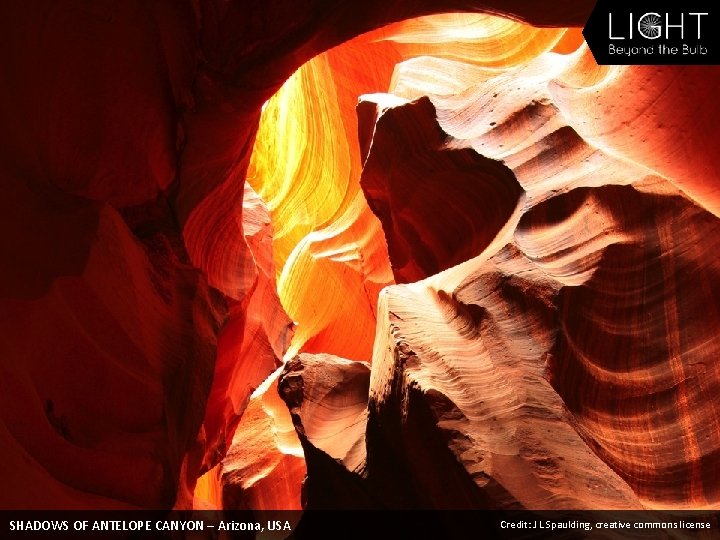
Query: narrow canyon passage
{"type": "Point", "coordinates": [414, 255]}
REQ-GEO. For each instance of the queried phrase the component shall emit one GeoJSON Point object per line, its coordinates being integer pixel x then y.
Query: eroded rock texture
{"type": "Point", "coordinates": [439, 205]}
{"type": "Point", "coordinates": [565, 365]}
{"type": "Point", "coordinates": [327, 398]}
{"type": "Point", "coordinates": [264, 465]}
{"type": "Point", "coordinates": [190, 198]}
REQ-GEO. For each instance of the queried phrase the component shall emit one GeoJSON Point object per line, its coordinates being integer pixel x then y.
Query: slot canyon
{"type": "Point", "coordinates": [392, 254]}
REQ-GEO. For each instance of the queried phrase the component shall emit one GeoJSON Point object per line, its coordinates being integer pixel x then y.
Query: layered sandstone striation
{"type": "Point", "coordinates": [199, 220]}
{"type": "Point", "coordinates": [327, 399]}
{"type": "Point", "coordinates": [440, 204]}
{"type": "Point", "coordinates": [563, 365]}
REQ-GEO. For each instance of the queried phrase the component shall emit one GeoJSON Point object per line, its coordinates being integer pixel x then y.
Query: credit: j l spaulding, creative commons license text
{"type": "Point", "coordinates": [589, 526]}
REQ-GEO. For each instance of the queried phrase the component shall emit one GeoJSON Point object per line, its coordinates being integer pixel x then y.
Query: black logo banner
{"type": "Point", "coordinates": [654, 33]}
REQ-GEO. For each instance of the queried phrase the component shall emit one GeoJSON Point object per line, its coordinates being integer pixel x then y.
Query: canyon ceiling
{"type": "Point", "coordinates": [380, 254]}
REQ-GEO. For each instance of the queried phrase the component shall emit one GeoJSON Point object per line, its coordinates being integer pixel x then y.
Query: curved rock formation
{"type": "Point", "coordinates": [564, 365]}
{"type": "Point", "coordinates": [459, 386]}
{"type": "Point", "coordinates": [264, 466]}
{"type": "Point", "coordinates": [327, 238]}
{"type": "Point", "coordinates": [554, 223]}
{"type": "Point", "coordinates": [598, 316]}
{"type": "Point", "coordinates": [631, 341]}
{"type": "Point", "coordinates": [253, 339]}
{"type": "Point", "coordinates": [440, 204]}
{"type": "Point", "coordinates": [106, 369]}
{"type": "Point", "coordinates": [654, 116]}
{"type": "Point", "coordinates": [327, 398]}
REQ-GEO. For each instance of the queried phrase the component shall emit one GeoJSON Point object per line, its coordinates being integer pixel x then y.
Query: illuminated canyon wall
{"type": "Point", "coordinates": [310, 256]}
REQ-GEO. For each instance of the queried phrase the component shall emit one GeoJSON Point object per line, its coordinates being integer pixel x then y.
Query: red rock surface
{"type": "Point", "coordinates": [97, 349]}
{"type": "Point", "coordinates": [264, 465]}
{"type": "Point", "coordinates": [554, 224]}
{"type": "Point", "coordinates": [564, 367]}
{"type": "Point", "coordinates": [439, 204]}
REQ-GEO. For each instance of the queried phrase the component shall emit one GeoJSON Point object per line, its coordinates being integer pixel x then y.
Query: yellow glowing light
{"type": "Point", "coordinates": [329, 251]}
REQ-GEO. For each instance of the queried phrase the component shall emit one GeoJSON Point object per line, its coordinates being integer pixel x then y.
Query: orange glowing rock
{"type": "Point", "coordinates": [479, 39]}
{"type": "Point", "coordinates": [306, 165]}
{"type": "Point", "coordinates": [656, 116]}
{"type": "Point", "coordinates": [563, 366]}
{"type": "Point", "coordinates": [554, 346]}
{"type": "Point", "coordinates": [253, 341]}
{"type": "Point", "coordinates": [326, 237]}
{"type": "Point", "coordinates": [264, 466]}
{"type": "Point", "coordinates": [339, 295]}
